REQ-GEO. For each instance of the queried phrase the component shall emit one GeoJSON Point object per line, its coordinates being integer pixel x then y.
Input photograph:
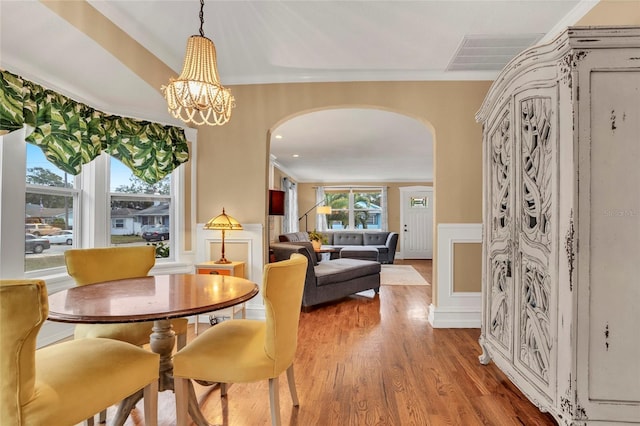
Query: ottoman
{"type": "Point", "coordinates": [359, 252]}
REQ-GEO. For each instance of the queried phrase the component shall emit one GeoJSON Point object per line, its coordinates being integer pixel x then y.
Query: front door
{"type": "Point", "coordinates": [416, 233]}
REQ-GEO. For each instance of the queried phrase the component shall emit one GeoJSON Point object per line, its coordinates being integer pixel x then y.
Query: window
{"type": "Point", "coordinates": [355, 208]}
{"type": "Point", "coordinates": [51, 199]}
{"type": "Point", "coordinates": [138, 209]}
{"type": "Point", "coordinates": [54, 202]}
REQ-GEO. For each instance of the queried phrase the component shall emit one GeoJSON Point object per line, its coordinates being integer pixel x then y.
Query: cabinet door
{"type": "Point", "coordinates": [609, 255]}
{"type": "Point", "coordinates": [498, 315]}
{"type": "Point", "coordinates": [537, 236]}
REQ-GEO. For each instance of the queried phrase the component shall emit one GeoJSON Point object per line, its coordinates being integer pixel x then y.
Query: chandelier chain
{"type": "Point", "coordinates": [201, 18]}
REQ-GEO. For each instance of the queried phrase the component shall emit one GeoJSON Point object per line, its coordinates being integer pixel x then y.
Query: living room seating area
{"type": "Point", "coordinates": [358, 244]}
{"type": "Point", "coordinates": [330, 280]}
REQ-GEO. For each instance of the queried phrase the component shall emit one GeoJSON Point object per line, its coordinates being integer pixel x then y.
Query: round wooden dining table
{"type": "Point", "coordinates": [153, 298]}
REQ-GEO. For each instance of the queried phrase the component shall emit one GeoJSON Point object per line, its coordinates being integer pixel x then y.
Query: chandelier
{"type": "Point", "coordinates": [197, 96]}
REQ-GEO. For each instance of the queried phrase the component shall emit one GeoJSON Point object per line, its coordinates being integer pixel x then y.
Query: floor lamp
{"type": "Point", "coordinates": [223, 222]}
{"type": "Point", "coordinates": [321, 210]}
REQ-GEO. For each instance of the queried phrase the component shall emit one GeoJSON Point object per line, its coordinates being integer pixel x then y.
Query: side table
{"type": "Point", "coordinates": [234, 269]}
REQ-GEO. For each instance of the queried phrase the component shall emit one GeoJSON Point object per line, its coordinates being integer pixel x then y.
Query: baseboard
{"type": "Point", "coordinates": [455, 317]}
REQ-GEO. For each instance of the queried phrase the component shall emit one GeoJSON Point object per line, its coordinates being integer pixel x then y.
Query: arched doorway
{"type": "Point", "coordinates": [354, 145]}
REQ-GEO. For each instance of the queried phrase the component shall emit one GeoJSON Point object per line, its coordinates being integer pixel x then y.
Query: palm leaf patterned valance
{"type": "Point", "coordinates": [72, 134]}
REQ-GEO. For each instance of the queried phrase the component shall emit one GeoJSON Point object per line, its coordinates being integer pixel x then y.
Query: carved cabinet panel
{"type": "Point", "coordinates": [561, 251]}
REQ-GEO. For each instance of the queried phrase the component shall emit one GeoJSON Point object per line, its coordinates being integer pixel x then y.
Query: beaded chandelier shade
{"type": "Point", "coordinates": [197, 96]}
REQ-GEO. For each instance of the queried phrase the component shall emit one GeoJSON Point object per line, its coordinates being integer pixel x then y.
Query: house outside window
{"type": "Point", "coordinates": [53, 207]}
{"type": "Point", "coordinates": [51, 201]}
{"type": "Point", "coordinates": [354, 208]}
{"type": "Point", "coordinates": [141, 213]}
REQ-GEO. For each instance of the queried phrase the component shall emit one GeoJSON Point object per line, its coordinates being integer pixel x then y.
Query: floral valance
{"type": "Point", "coordinates": [72, 134]}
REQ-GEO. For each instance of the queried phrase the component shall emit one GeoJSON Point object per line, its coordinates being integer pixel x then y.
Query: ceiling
{"type": "Point", "coordinates": [282, 41]}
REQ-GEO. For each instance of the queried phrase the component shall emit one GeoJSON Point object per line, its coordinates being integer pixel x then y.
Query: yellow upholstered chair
{"type": "Point", "coordinates": [243, 350]}
{"type": "Point", "coordinates": [95, 265]}
{"type": "Point", "coordinates": [64, 383]}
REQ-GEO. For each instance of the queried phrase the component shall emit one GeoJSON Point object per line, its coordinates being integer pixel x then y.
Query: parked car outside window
{"type": "Point", "coordinates": [156, 233]}
{"type": "Point", "coordinates": [34, 244]}
{"type": "Point", "coordinates": [38, 229]}
{"type": "Point", "coordinates": [61, 237]}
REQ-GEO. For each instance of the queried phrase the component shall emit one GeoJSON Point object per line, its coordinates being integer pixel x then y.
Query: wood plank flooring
{"type": "Point", "coordinates": [376, 361]}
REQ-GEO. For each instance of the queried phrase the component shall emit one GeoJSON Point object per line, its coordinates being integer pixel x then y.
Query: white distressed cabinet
{"type": "Point", "coordinates": [561, 226]}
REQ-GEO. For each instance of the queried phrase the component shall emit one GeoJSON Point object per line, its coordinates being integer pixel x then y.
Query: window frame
{"type": "Point", "coordinates": [351, 209]}
{"type": "Point", "coordinates": [93, 201]}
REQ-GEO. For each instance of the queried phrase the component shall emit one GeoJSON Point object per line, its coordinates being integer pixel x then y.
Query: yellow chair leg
{"type": "Point", "coordinates": [292, 386]}
{"type": "Point", "coordinates": [150, 395]}
{"type": "Point", "coordinates": [181, 340]}
{"type": "Point", "coordinates": [181, 389]}
{"type": "Point", "coordinates": [274, 401]}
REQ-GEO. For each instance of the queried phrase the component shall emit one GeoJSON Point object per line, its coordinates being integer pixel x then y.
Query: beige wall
{"type": "Point", "coordinates": [467, 267]}
{"type": "Point", "coordinates": [613, 12]}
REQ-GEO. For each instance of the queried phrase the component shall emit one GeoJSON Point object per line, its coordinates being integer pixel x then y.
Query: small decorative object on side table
{"type": "Point", "coordinates": [317, 239]}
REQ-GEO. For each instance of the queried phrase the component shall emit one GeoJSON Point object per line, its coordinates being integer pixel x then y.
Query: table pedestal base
{"type": "Point", "coordinates": [162, 342]}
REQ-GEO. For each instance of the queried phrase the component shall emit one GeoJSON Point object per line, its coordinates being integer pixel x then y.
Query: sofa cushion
{"type": "Point", "coordinates": [347, 238]}
{"type": "Point", "coordinates": [359, 252]}
{"type": "Point", "coordinates": [293, 237]}
{"type": "Point", "coordinates": [375, 238]}
{"type": "Point", "coordinates": [340, 270]}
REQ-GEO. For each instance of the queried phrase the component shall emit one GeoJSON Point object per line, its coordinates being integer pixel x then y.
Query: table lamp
{"type": "Point", "coordinates": [223, 222]}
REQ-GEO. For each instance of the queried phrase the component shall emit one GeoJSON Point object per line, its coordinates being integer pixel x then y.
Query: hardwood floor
{"type": "Point", "coordinates": [376, 361]}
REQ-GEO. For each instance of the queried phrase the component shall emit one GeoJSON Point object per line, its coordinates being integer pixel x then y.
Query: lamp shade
{"type": "Point", "coordinates": [323, 210]}
{"type": "Point", "coordinates": [223, 222]}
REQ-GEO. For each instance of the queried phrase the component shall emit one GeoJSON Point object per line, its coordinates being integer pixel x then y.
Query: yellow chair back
{"type": "Point", "coordinates": [95, 265]}
{"type": "Point", "coordinates": [23, 309]}
{"type": "Point", "coordinates": [282, 286]}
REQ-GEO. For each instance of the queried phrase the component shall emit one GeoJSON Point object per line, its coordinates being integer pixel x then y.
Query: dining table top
{"type": "Point", "coordinates": [149, 298]}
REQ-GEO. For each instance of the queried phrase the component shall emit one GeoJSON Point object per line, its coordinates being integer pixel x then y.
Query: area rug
{"type": "Point", "coordinates": [401, 275]}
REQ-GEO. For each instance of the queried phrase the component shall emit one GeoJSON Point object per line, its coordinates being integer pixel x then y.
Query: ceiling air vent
{"type": "Point", "coordinates": [489, 52]}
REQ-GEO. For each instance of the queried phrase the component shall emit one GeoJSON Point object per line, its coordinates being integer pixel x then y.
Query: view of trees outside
{"type": "Point", "coordinates": [138, 186]}
{"type": "Point", "coordinates": [49, 198]}
{"type": "Point", "coordinates": [357, 208]}
{"type": "Point", "coordinates": [137, 207]}
{"type": "Point", "coordinates": [46, 177]}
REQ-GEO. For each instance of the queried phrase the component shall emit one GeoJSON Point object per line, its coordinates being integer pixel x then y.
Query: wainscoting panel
{"type": "Point", "coordinates": [455, 309]}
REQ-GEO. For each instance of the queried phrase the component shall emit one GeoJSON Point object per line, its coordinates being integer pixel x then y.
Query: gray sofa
{"type": "Point", "coordinates": [330, 280]}
{"type": "Point", "coordinates": [384, 242]}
